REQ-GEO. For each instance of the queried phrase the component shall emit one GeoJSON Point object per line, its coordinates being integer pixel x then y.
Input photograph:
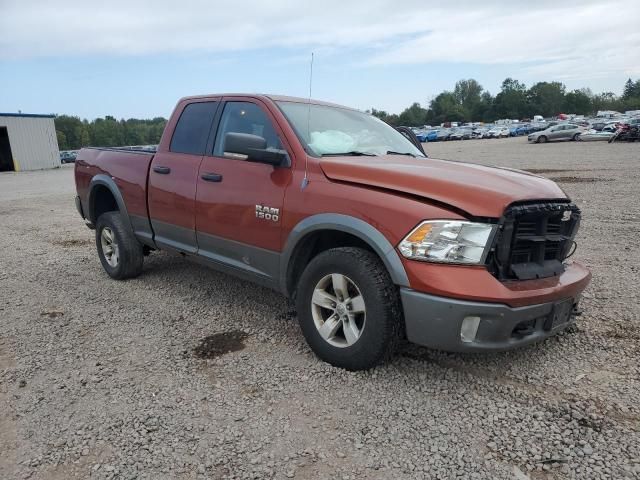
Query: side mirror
{"type": "Point", "coordinates": [252, 148]}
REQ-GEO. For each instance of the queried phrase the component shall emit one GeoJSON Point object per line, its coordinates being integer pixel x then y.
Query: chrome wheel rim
{"type": "Point", "coordinates": [109, 247]}
{"type": "Point", "coordinates": [338, 310]}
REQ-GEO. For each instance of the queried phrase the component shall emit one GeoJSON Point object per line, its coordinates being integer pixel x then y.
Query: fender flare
{"type": "Point", "coordinates": [108, 182]}
{"type": "Point", "coordinates": [354, 226]}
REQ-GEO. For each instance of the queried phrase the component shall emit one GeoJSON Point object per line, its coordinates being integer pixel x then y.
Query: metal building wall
{"type": "Point", "coordinates": [34, 145]}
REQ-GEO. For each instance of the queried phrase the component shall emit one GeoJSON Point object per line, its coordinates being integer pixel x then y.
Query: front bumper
{"type": "Point", "coordinates": [437, 322]}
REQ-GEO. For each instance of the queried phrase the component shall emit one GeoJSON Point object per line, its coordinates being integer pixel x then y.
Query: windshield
{"type": "Point", "coordinates": [326, 130]}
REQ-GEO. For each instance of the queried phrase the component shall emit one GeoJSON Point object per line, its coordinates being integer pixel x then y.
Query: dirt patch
{"type": "Point", "coordinates": [52, 313]}
{"type": "Point", "coordinates": [622, 334]}
{"type": "Point", "coordinates": [221, 343]}
{"type": "Point", "coordinates": [545, 170]}
{"type": "Point", "coordinates": [579, 179]}
{"type": "Point", "coordinates": [72, 242]}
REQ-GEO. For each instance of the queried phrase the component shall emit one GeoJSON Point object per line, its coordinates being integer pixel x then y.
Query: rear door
{"type": "Point", "coordinates": [239, 203]}
{"type": "Point", "coordinates": [173, 178]}
{"type": "Point", "coordinates": [555, 132]}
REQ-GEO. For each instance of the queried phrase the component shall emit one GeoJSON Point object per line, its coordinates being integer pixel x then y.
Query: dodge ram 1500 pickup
{"type": "Point", "coordinates": [373, 241]}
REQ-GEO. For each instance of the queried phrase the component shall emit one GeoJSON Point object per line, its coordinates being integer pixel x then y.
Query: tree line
{"type": "Point", "coordinates": [74, 133]}
{"type": "Point", "coordinates": [470, 102]}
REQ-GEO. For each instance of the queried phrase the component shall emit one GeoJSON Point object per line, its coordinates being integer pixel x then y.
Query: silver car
{"type": "Point", "coordinates": [564, 131]}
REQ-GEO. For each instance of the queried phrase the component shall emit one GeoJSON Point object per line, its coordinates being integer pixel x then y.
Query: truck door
{"type": "Point", "coordinates": [239, 203]}
{"type": "Point", "coordinates": [173, 178]}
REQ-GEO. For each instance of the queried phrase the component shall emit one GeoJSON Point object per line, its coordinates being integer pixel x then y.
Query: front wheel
{"type": "Point", "coordinates": [576, 137]}
{"type": "Point", "coordinates": [542, 139]}
{"type": "Point", "coordinates": [348, 308]}
{"type": "Point", "coordinates": [121, 254]}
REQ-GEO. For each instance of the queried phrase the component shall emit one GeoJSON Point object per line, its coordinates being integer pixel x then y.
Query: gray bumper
{"type": "Point", "coordinates": [436, 322]}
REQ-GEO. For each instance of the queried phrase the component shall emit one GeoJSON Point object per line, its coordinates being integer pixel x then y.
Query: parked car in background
{"type": "Point", "coordinates": [463, 133]}
{"type": "Point", "coordinates": [68, 156]}
{"type": "Point", "coordinates": [421, 135]}
{"type": "Point", "coordinates": [564, 131]}
{"type": "Point", "coordinates": [498, 132]}
{"type": "Point", "coordinates": [481, 132]}
{"type": "Point", "coordinates": [443, 134]}
{"type": "Point", "coordinates": [595, 136]}
{"type": "Point", "coordinates": [432, 135]}
{"type": "Point", "coordinates": [598, 125]}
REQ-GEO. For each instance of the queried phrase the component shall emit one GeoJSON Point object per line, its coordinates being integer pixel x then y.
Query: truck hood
{"type": "Point", "coordinates": [478, 190]}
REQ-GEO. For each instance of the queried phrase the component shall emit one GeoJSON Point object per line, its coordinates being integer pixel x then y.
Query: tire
{"type": "Point", "coordinates": [542, 139]}
{"type": "Point", "coordinates": [127, 253]}
{"type": "Point", "coordinates": [576, 137]}
{"type": "Point", "coordinates": [379, 322]}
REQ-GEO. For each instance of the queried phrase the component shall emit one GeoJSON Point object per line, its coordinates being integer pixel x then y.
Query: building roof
{"type": "Point", "coordinates": [28, 115]}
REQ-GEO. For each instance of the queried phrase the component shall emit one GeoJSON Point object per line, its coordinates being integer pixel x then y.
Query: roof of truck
{"type": "Point", "coordinates": [275, 98]}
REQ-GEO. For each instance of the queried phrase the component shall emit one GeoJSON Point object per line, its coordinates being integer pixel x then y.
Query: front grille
{"type": "Point", "coordinates": [534, 240]}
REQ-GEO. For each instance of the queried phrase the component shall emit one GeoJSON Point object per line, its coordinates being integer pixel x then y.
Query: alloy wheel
{"type": "Point", "coordinates": [109, 247]}
{"type": "Point", "coordinates": [338, 310]}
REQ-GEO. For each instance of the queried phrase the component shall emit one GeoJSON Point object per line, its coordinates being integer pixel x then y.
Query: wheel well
{"type": "Point", "coordinates": [103, 201]}
{"type": "Point", "coordinates": [314, 243]}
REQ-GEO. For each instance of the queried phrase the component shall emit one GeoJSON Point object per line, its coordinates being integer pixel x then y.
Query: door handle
{"type": "Point", "coordinates": [162, 170]}
{"type": "Point", "coordinates": [211, 177]}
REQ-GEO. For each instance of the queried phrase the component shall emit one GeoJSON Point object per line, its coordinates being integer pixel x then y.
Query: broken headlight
{"type": "Point", "coordinates": [448, 241]}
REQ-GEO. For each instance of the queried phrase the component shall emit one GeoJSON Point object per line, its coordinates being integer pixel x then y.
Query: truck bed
{"type": "Point", "coordinates": [128, 169]}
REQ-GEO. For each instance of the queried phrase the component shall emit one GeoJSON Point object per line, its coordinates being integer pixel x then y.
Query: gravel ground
{"type": "Point", "coordinates": [107, 379]}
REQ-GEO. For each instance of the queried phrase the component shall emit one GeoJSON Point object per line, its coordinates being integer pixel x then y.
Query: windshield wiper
{"type": "Point", "coordinates": [391, 152]}
{"type": "Point", "coordinates": [353, 153]}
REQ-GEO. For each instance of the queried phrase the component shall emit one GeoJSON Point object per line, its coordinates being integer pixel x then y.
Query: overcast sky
{"type": "Point", "coordinates": [136, 58]}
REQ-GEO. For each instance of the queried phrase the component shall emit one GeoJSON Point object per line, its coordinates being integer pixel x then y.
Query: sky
{"type": "Point", "coordinates": [136, 58]}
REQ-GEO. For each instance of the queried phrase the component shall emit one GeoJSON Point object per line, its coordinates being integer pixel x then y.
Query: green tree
{"type": "Point", "coordinates": [391, 119]}
{"type": "Point", "coordinates": [468, 94]}
{"type": "Point", "coordinates": [511, 102]}
{"type": "Point", "coordinates": [62, 140]}
{"type": "Point", "coordinates": [69, 125]}
{"type": "Point", "coordinates": [605, 101]}
{"type": "Point", "coordinates": [546, 98]}
{"type": "Point", "coordinates": [485, 110]}
{"type": "Point", "coordinates": [413, 116]}
{"type": "Point", "coordinates": [578, 101]}
{"type": "Point", "coordinates": [631, 89]}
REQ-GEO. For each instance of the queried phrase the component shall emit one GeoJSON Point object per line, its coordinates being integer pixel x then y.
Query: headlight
{"type": "Point", "coordinates": [448, 241]}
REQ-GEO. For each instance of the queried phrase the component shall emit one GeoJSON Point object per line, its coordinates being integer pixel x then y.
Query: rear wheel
{"type": "Point", "coordinates": [348, 308]}
{"type": "Point", "coordinates": [121, 255]}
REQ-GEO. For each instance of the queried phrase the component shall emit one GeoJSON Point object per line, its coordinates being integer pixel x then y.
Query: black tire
{"type": "Point", "coordinates": [576, 137]}
{"type": "Point", "coordinates": [383, 324]}
{"type": "Point", "coordinates": [542, 139]}
{"type": "Point", "coordinates": [130, 250]}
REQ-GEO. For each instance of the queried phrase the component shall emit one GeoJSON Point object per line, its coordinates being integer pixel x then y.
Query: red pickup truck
{"type": "Point", "coordinates": [342, 213]}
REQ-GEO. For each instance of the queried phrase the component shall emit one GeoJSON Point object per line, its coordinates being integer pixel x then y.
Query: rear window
{"type": "Point", "coordinates": [193, 127]}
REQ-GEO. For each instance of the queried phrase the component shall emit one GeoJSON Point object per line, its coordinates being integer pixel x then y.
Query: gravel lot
{"type": "Point", "coordinates": [107, 379]}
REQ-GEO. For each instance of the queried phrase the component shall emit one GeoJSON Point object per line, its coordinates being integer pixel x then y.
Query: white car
{"type": "Point", "coordinates": [498, 132]}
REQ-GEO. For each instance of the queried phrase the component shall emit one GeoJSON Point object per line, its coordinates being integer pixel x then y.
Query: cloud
{"type": "Point", "coordinates": [570, 38]}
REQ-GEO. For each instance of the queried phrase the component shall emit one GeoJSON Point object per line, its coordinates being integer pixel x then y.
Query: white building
{"type": "Point", "coordinates": [27, 142]}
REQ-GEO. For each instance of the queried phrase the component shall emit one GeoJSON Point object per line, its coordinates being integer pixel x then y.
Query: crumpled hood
{"type": "Point", "coordinates": [478, 190]}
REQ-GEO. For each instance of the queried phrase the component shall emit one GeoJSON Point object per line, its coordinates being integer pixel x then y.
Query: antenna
{"type": "Point", "coordinates": [305, 180]}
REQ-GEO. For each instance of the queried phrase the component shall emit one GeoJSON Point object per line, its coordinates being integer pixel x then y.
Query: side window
{"type": "Point", "coordinates": [245, 117]}
{"type": "Point", "coordinates": [193, 127]}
